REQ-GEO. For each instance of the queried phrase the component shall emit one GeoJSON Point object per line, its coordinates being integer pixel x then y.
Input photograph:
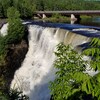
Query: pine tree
{"type": "Point", "coordinates": [15, 28]}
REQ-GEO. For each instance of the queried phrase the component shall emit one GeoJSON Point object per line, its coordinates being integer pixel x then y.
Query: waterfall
{"type": "Point", "coordinates": [37, 69]}
{"type": "Point", "coordinates": [4, 29]}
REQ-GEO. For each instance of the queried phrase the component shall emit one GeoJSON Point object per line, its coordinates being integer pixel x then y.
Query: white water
{"type": "Point", "coordinates": [37, 68]}
{"type": "Point", "coordinates": [4, 29]}
{"type": "Point", "coordinates": [86, 29]}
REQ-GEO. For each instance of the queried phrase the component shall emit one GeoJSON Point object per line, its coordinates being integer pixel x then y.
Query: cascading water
{"type": "Point", "coordinates": [37, 70]}
{"type": "Point", "coordinates": [4, 29]}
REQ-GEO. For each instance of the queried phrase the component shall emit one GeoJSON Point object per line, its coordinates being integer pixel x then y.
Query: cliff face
{"type": "Point", "coordinates": [13, 60]}
{"type": "Point", "coordinates": [15, 56]}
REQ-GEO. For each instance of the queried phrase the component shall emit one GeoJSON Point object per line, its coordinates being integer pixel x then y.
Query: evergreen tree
{"type": "Point", "coordinates": [15, 27]}
{"type": "Point", "coordinates": [25, 7]}
{"type": "Point", "coordinates": [4, 5]}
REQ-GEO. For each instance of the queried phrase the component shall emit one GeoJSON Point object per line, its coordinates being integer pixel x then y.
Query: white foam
{"type": "Point", "coordinates": [4, 29]}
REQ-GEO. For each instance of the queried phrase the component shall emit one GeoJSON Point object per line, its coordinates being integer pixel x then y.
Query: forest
{"type": "Point", "coordinates": [27, 7]}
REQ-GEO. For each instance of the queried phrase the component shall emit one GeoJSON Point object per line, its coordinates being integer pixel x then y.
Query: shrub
{"type": "Point", "coordinates": [72, 83]}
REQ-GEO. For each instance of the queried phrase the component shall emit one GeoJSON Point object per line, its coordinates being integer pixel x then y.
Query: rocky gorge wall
{"type": "Point", "coordinates": [14, 57]}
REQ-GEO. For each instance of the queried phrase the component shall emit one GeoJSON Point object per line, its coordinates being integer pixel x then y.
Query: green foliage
{"type": "Point", "coordinates": [12, 95]}
{"type": "Point", "coordinates": [3, 97]}
{"type": "Point", "coordinates": [2, 60]}
{"type": "Point", "coordinates": [94, 52]}
{"type": "Point", "coordinates": [15, 28]}
{"type": "Point", "coordinates": [4, 5]}
{"type": "Point", "coordinates": [13, 14]}
{"type": "Point", "coordinates": [3, 45]}
{"type": "Point", "coordinates": [72, 83]}
{"type": "Point", "coordinates": [56, 15]}
{"type": "Point", "coordinates": [25, 7]}
{"type": "Point", "coordinates": [57, 18]}
{"type": "Point", "coordinates": [66, 5]}
{"type": "Point", "coordinates": [69, 76]}
{"type": "Point", "coordinates": [92, 86]}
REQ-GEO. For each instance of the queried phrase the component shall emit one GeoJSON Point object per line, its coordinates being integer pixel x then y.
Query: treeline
{"type": "Point", "coordinates": [67, 5]}
{"type": "Point", "coordinates": [27, 7]}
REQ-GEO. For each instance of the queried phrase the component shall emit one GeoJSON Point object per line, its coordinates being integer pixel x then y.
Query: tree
{"type": "Point", "coordinates": [94, 52]}
{"type": "Point", "coordinates": [25, 7]}
{"type": "Point", "coordinates": [68, 63]}
{"type": "Point", "coordinates": [15, 28]}
{"type": "Point", "coordinates": [4, 5]}
{"type": "Point", "coordinates": [72, 83]}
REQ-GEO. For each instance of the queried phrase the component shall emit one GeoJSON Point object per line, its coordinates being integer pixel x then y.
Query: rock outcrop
{"type": "Point", "coordinates": [12, 61]}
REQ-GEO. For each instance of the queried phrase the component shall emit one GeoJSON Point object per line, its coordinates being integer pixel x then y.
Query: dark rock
{"type": "Point", "coordinates": [2, 22]}
{"type": "Point", "coordinates": [15, 56]}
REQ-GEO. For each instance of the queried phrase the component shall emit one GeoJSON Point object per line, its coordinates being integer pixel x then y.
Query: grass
{"type": "Point", "coordinates": [56, 18]}
{"type": "Point", "coordinates": [59, 20]}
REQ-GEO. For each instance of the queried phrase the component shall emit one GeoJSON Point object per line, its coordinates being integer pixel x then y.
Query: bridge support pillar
{"type": "Point", "coordinates": [39, 15]}
{"type": "Point", "coordinates": [75, 18]}
{"type": "Point", "coordinates": [44, 16]}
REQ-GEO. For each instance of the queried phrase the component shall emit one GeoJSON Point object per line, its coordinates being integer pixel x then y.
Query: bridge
{"type": "Point", "coordinates": [77, 13]}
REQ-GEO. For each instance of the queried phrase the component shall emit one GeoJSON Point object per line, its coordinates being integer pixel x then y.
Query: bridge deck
{"type": "Point", "coordinates": [76, 12]}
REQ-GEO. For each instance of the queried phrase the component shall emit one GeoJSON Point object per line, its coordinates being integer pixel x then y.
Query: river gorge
{"type": "Point", "coordinates": [36, 71]}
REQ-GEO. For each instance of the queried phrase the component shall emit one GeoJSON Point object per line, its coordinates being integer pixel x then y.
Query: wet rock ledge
{"type": "Point", "coordinates": [14, 58]}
